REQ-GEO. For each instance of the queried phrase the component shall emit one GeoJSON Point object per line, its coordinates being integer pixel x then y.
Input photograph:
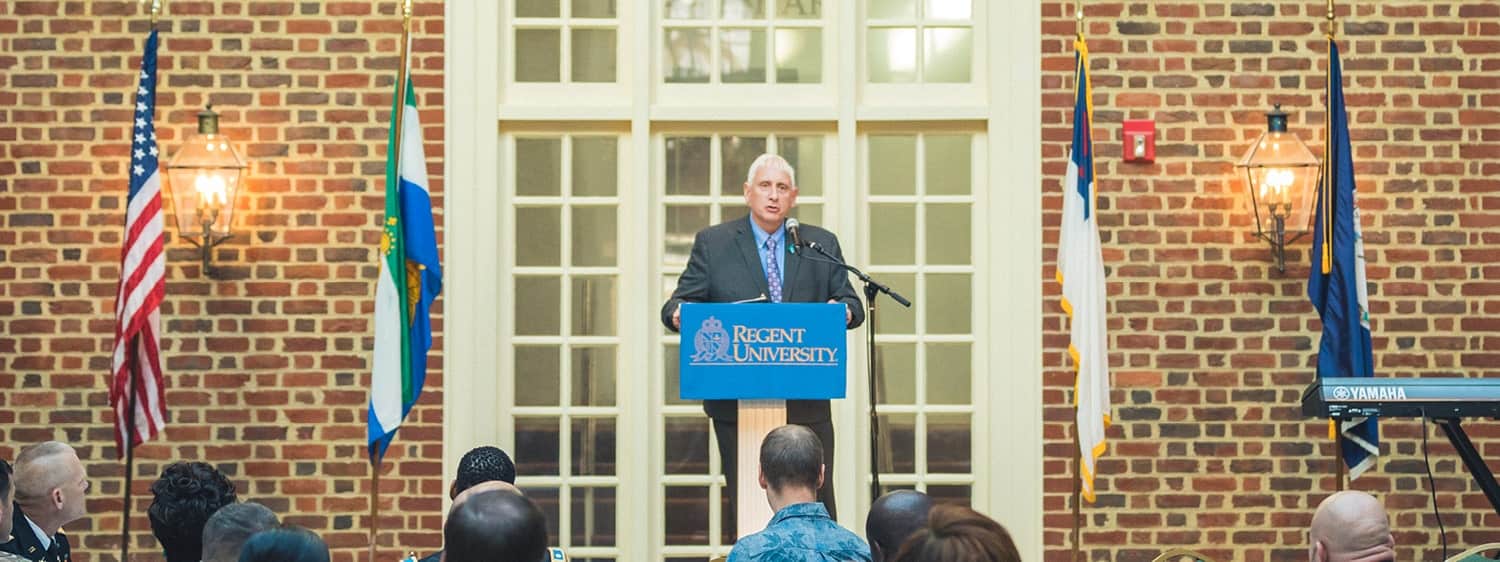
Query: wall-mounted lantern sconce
{"type": "Point", "coordinates": [1280, 174]}
{"type": "Point", "coordinates": [205, 177]}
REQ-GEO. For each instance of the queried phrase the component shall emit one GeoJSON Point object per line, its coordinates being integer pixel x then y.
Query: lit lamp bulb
{"type": "Point", "coordinates": [1275, 190]}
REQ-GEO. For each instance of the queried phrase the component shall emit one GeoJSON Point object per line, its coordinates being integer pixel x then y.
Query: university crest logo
{"type": "Point", "coordinates": [711, 344]}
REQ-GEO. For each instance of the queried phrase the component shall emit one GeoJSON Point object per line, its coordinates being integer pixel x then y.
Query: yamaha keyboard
{"type": "Point", "coordinates": [1410, 398]}
{"type": "Point", "coordinates": [1446, 401]}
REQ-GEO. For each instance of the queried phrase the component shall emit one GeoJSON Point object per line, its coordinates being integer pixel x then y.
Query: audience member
{"type": "Point", "coordinates": [285, 544]}
{"type": "Point", "coordinates": [892, 518]}
{"type": "Point", "coordinates": [495, 526]}
{"type": "Point", "coordinates": [50, 486]}
{"type": "Point", "coordinates": [479, 467]}
{"type": "Point", "coordinates": [791, 472]}
{"type": "Point", "coordinates": [7, 499]}
{"type": "Point", "coordinates": [225, 533]}
{"type": "Point", "coordinates": [958, 534]}
{"type": "Point", "coordinates": [185, 496]}
{"type": "Point", "coordinates": [482, 464]}
{"type": "Point", "coordinates": [1350, 526]}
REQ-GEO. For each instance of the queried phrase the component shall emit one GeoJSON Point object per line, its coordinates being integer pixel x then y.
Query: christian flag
{"type": "Point", "coordinates": [135, 389]}
{"type": "Point", "coordinates": [1336, 283]}
{"type": "Point", "coordinates": [410, 279]}
{"type": "Point", "coordinates": [1080, 271]}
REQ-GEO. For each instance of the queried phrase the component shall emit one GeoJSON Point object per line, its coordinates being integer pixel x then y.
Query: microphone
{"type": "Point", "coordinates": [792, 228]}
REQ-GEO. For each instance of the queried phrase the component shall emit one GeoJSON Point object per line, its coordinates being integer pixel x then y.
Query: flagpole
{"type": "Point", "coordinates": [1077, 436]}
{"type": "Point", "coordinates": [129, 442]}
{"type": "Point", "coordinates": [399, 135]}
{"type": "Point", "coordinates": [1326, 195]}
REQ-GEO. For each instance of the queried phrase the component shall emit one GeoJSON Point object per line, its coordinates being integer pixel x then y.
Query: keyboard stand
{"type": "Point", "coordinates": [1477, 467]}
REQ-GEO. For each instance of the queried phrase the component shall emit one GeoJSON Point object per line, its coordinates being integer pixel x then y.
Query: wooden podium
{"type": "Point", "coordinates": [761, 354]}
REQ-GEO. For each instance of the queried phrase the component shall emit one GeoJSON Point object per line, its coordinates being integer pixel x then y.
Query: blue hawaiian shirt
{"type": "Point", "coordinates": [801, 532]}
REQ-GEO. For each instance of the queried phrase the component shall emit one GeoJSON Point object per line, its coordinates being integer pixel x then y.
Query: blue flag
{"type": "Point", "coordinates": [1336, 283]}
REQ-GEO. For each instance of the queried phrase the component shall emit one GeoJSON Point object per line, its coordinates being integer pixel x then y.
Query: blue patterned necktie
{"type": "Point", "coordinates": [773, 273]}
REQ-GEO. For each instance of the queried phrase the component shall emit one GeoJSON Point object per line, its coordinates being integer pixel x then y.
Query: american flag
{"type": "Point", "coordinates": [136, 369]}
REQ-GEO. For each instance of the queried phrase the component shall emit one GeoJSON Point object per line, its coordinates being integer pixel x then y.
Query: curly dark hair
{"type": "Point", "coordinates": [186, 495]}
{"type": "Point", "coordinates": [483, 464]}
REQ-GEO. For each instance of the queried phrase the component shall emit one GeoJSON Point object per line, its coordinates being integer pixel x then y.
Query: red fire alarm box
{"type": "Point", "coordinates": [1140, 141]}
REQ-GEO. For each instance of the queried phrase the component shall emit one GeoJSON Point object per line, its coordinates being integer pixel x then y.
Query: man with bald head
{"type": "Point", "coordinates": [490, 523]}
{"type": "Point", "coordinates": [50, 485]}
{"type": "Point", "coordinates": [1351, 526]}
{"type": "Point", "coordinates": [894, 517]}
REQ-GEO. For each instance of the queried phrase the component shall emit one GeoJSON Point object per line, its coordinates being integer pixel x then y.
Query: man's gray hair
{"type": "Point", "coordinates": [37, 471]}
{"type": "Point", "coordinates": [776, 162]}
{"type": "Point", "coordinates": [226, 531]}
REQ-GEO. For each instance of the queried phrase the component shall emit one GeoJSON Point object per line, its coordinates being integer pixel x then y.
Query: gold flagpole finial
{"type": "Point", "coordinates": [406, 9]}
{"type": "Point", "coordinates": [1332, 21]}
{"type": "Point", "coordinates": [1078, 17]}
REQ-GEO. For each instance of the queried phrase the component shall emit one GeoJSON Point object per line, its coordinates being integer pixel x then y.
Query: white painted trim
{"type": "Point", "coordinates": [471, 313]}
{"type": "Point", "coordinates": [1013, 416]}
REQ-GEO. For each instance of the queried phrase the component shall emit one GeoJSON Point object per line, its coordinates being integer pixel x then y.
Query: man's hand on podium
{"type": "Point", "coordinates": [677, 318]}
{"type": "Point", "coordinates": [848, 314]}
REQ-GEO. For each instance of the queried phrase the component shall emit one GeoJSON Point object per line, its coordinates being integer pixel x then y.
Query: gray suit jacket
{"type": "Point", "coordinates": [725, 266]}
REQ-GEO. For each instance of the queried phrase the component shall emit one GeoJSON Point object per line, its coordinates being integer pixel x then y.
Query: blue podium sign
{"type": "Point", "coordinates": [792, 351]}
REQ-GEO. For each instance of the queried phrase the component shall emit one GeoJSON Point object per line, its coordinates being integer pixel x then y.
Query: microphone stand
{"type": "Point", "coordinates": [873, 289]}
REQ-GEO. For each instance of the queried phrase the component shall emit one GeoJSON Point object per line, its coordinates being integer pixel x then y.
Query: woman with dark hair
{"type": "Point", "coordinates": [287, 544]}
{"type": "Point", "coordinates": [957, 534]}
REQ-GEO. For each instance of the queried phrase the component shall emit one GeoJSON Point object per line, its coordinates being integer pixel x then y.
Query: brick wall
{"type": "Point", "coordinates": [268, 364]}
{"type": "Point", "coordinates": [1211, 346]}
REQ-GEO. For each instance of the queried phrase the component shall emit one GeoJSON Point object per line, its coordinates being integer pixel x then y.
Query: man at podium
{"type": "Point", "coordinates": [747, 259]}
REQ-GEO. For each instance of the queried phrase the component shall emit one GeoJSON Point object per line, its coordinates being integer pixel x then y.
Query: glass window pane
{"type": "Point", "coordinates": [537, 8]}
{"type": "Point", "coordinates": [799, 9]}
{"type": "Point", "coordinates": [538, 232]}
{"type": "Point", "coordinates": [949, 372]}
{"type": "Point", "coordinates": [594, 375]}
{"type": "Point", "coordinates": [538, 55]}
{"type": "Point", "coordinates": [894, 318]}
{"type": "Point", "coordinates": [799, 56]}
{"type": "Point", "coordinates": [951, 494]}
{"type": "Point", "coordinates": [737, 154]}
{"type": "Point", "coordinates": [898, 443]}
{"type": "Point", "coordinates": [891, 229]}
{"type": "Point", "coordinates": [687, 52]}
{"type": "Point", "coordinates": [593, 447]}
{"type": "Point", "coordinates": [593, 55]}
{"type": "Point", "coordinates": [687, 515]}
{"type": "Point", "coordinates": [546, 499]}
{"type": "Point", "coordinates": [594, 236]}
{"type": "Point", "coordinates": [810, 213]}
{"type": "Point", "coordinates": [948, 236]}
{"type": "Point", "coordinates": [888, 9]}
{"type": "Point", "coordinates": [893, 54]}
{"type": "Point", "coordinates": [687, 165]}
{"type": "Point", "coordinates": [538, 305]}
{"type": "Point", "coordinates": [946, 54]}
{"type": "Point", "coordinates": [683, 224]}
{"type": "Point", "coordinates": [537, 370]}
{"type": "Point", "coordinates": [593, 517]}
{"type": "Point", "coordinates": [688, 453]}
{"type": "Point", "coordinates": [947, 164]}
{"type": "Point", "coordinates": [596, 166]}
{"type": "Point", "coordinates": [539, 167]}
{"type": "Point", "coordinates": [687, 9]}
{"type": "Point", "coordinates": [893, 165]}
{"type": "Point", "coordinates": [672, 388]}
{"type": "Point", "coordinates": [897, 365]}
{"type": "Point", "coordinates": [743, 9]}
{"type": "Point", "coordinates": [593, 9]}
{"type": "Point", "coordinates": [949, 303]}
{"type": "Point", "coordinates": [537, 445]}
{"type": "Point", "coordinates": [805, 154]}
{"type": "Point", "coordinates": [742, 56]}
{"type": "Point", "coordinates": [949, 9]}
{"type": "Point", "coordinates": [948, 437]}
{"type": "Point", "coordinates": [594, 306]}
